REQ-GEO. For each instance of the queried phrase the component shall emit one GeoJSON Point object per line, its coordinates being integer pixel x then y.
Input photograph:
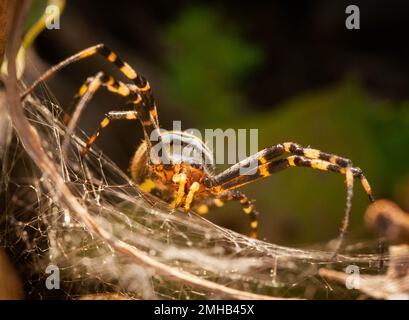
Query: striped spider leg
{"type": "Point", "coordinates": [267, 164]}
{"type": "Point", "coordinates": [138, 92]}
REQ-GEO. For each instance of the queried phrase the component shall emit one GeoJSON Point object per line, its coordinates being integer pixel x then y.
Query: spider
{"type": "Point", "coordinates": [183, 181]}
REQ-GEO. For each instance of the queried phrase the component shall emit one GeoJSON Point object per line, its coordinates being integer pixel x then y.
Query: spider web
{"type": "Point", "coordinates": [39, 231]}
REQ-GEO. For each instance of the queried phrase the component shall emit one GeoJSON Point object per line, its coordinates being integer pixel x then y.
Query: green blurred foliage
{"type": "Point", "coordinates": [300, 205]}
{"type": "Point", "coordinates": [36, 12]}
{"type": "Point", "coordinates": [342, 120]}
{"type": "Point", "coordinates": [208, 63]}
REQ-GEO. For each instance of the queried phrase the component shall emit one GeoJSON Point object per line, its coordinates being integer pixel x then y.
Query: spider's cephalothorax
{"type": "Point", "coordinates": [183, 166]}
{"type": "Point", "coordinates": [185, 178]}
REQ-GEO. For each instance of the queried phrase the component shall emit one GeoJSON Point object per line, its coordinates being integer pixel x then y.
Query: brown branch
{"type": "Point", "coordinates": [11, 286]}
{"type": "Point", "coordinates": [393, 285]}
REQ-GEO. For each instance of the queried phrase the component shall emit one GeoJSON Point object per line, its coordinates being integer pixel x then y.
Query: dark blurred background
{"type": "Point", "coordinates": [290, 69]}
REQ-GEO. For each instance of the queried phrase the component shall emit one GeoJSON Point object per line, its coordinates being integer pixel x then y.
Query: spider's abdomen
{"type": "Point", "coordinates": [139, 162]}
{"type": "Point", "coordinates": [184, 148]}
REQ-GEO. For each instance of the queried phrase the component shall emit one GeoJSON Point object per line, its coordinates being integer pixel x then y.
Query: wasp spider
{"type": "Point", "coordinates": [183, 181]}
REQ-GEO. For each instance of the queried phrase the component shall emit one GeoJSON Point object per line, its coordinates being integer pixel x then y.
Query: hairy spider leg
{"type": "Point", "coordinates": [313, 158]}
{"type": "Point", "coordinates": [190, 195]}
{"type": "Point", "coordinates": [138, 80]}
{"type": "Point", "coordinates": [110, 116]}
{"type": "Point", "coordinates": [203, 206]}
{"type": "Point", "coordinates": [329, 162]}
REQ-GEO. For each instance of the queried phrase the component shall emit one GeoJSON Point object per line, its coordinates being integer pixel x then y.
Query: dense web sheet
{"type": "Point", "coordinates": [185, 256]}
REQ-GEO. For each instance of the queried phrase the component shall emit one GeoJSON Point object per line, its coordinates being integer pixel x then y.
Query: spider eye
{"type": "Point", "coordinates": [208, 182]}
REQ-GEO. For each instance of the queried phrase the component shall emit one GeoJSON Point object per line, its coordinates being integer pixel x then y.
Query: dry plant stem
{"type": "Point", "coordinates": [345, 222]}
{"type": "Point", "coordinates": [5, 9]}
{"type": "Point", "coordinates": [5, 128]}
{"type": "Point", "coordinates": [30, 139]}
{"type": "Point", "coordinates": [108, 296]}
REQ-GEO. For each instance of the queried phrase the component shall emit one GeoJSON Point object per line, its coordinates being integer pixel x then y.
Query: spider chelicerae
{"type": "Point", "coordinates": [182, 181]}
